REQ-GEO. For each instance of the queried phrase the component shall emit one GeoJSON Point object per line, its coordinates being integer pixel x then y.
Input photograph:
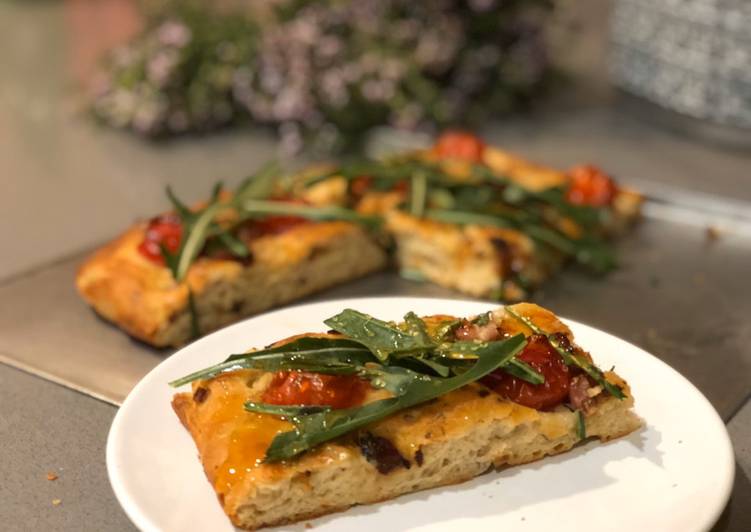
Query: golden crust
{"type": "Point", "coordinates": [447, 440]}
{"type": "Point", "coordinates": [142, 297]}
{"type": "Point", "coordinates": [478, 260]}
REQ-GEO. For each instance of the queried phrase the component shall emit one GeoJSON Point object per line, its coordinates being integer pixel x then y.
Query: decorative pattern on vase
{"type": "Point", "coordinates": [690, 56]}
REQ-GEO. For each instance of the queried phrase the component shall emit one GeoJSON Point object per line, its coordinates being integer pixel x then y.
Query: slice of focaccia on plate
{"type": "Point", "coordinates": [317, 423]}
{"type": "Point", "coordinates": [158, 288]}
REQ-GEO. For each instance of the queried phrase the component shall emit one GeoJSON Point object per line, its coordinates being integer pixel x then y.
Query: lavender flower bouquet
{"type": "Point", "coordinates": [327, 71]}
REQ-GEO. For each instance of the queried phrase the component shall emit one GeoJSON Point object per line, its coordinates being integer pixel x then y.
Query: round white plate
{"type": "Point", "coordinates": [674, 475]}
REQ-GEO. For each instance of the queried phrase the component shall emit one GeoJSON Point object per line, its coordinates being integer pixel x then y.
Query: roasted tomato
{"type": "Point", "coordinates": [165, 230]}
{"type": "Point", "coordinates": [270, 225]}
{"type": "Point", "coordinates": [590, 186]}
{"type": "Point", "coordinates": [304, 388]}
{"type": "Point", "coordinates": [360, 186]}
{"type": "Point", "coordinates": [542, 357]}
{"type": "Point", "coordinates": [459, 145]}
{"type": "Point", "coordinates": [275, 225]}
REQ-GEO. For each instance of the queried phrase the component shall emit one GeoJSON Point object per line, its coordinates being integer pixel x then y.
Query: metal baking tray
{"type": "Point", "coordinates": [682, 292]}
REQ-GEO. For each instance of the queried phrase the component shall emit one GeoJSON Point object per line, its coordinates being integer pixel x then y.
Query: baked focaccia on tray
{"type": "Point", "coordinates": [480, 220]}
{"type": "Point", "coordinates": [460, 214]}
{"type": "Point", "coordinates": [276, 259]}
{"type": "Point", "coordinates": [372, 410]}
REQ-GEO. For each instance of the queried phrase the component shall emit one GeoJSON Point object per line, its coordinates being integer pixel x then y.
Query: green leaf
{"type": "Point", "coordinates": [415, 326]}
{"type": "Point", "coordinates": [581, 428]}
{"type": "Point", "coordinates": [444, 329]}
{"type": "Point", "coordinates": [195, 239]}
{"type": "Point", "coordinates": [522, 370]}
{"type": "Point", "coordinates": [314, 429]}
{"type": "Point", "coordinates": [170, 259]}
{"type": "Point", "coordinates": [215, 192]}
{"type": "Point", "coordinates": [571, 358]}
{"type": "Point", "coordinates": [236, 246]}
{"type": "Point", "coordinates": [322, 355]}
{"type": "Point", "coordinates": [289, 411]}
{"type": "Point", "coordinates": [382, 338]}
{"type": "Point", "coordinates": [259, 185]}
{"type": "Point", "coordinates": [418, 363]}
{"type": "Point", "coordinates": [182, 210]}
{"type": "Point", "coordinates": [417, 194]}
{"type": "Point", "coordinates": [395, 379]}
{"type": "Point", "coordinates": [260, 208]}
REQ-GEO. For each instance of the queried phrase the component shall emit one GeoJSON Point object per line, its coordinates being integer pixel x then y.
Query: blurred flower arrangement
{"type": "Point", "coordinates": [326, 71]}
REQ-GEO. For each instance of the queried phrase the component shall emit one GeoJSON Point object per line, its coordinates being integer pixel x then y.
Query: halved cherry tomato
{"type": "Point", "coordinates": [539, 354]}
{"type": "Point", "coordinates": [270, 225]}
{"type": "Point", "coordinates": [459, 145]}
{"type": "Point", "coordinates": [590, 186]}
{"type": "Point", "coordinates": [164, 230]}
{"type": "Point", "coordinates": [360, 186]}
{"type": "Point", "coordinates": [305, 388]}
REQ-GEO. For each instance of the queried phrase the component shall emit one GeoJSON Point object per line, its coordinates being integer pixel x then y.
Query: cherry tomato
{"type": "Point", "coordinates": [270, 225]}
{"type": "Point", "coordinates": [305, 388]}
{"type": "Point", "coordinates": [165, 230]}
{"type": "Point", "coordinates": [360, 186]}
{"type": "Point", "coordinates": [539, 354]}
{"type": "Point", "coordinates": [590, 186]}
{"type": "Point", "coordinates": [459, 145]}
{"type": "Point", "coordinates": [275, 225]}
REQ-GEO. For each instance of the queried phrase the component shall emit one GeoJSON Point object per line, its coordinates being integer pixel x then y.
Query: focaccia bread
{"type": "Point", "coordinates": [447, 438]}
{"type": "Point", "coordinates": [486, 223]}
{"type": "Point", "coordinates": [142, 297]}
{"type": "Point", "coordinates": [461, 214]}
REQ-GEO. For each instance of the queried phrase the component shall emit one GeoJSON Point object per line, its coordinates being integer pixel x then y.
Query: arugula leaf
{"type": "Point", "coordinates": [419, 363]}
{"type": "Point", "coordinates": [258, 207]}
{"type": "Point", "coordinates": [416, 327]}
{"type": "Point", "coordinates": [395, 379]}
{"type": "Point", "coordinates": [290, 411]}
{"type": "Point", "coordinates": [259, 185]}
{"type": "Point", "coordinates": [382, 338]}
{"type": "Point", "coordinates": [571, 358]}
{"type": "Point", "coordinates": [195, 239]}
{"type": "Point", "coordinates": [417, 194]}
{"type": "Point", "coordinates": [314, 429]}
{"type": "Point", "coordinates": [170, 259]}
{"type": "Point", "coordinates": [236, 246]}
{"type": "Point", "coordinates": [440, 333]}
{"type": "Point", "coordinates": [182, 210]}
{"type": "Point", "coordinates": [581, 428]}
{"type": "Point", "coordinates": [522, 370]}
{"type": "Point", "coordinates": [322, 355]}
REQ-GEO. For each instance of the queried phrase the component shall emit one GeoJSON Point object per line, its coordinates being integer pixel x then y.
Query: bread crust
{"type": "Point", "coordinates": [142, 297]}
{"type": "Point", "coordinates": [445, 441]}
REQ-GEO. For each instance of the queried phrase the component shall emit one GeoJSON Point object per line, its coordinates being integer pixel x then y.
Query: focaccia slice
{"type": "Point", "coordinates": [142, 297]}
{"type": "Point", "coordinates": [450, 439]}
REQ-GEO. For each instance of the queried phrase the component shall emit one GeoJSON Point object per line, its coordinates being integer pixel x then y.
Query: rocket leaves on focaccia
{"type": "Point", "coordinates": [407, 360]}
{"type": "Point", "coordinates": [322, 355]}
{"type": "Point", "coordinates": [382, 338]}
{"type": "Point", "coordinates": [311, 430]}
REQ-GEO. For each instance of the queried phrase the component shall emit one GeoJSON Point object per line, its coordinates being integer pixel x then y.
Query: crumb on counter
{"type": "Point", "coordinates": [51, 476]}
{"type": "Point", "coordinates": [56, 502]}
{"type": "Point", "coordinates": [712, 233]}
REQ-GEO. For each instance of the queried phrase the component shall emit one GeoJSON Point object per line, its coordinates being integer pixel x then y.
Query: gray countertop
{"type": "Point", "coordinates": [68, 185]}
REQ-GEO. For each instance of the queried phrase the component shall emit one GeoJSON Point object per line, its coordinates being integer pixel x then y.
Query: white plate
{"type": "Point", "coordinates": [675, 474]}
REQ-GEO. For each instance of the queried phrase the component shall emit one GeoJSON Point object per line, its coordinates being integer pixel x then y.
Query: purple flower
{"type": "Point", "coordinates": [172, 33]}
